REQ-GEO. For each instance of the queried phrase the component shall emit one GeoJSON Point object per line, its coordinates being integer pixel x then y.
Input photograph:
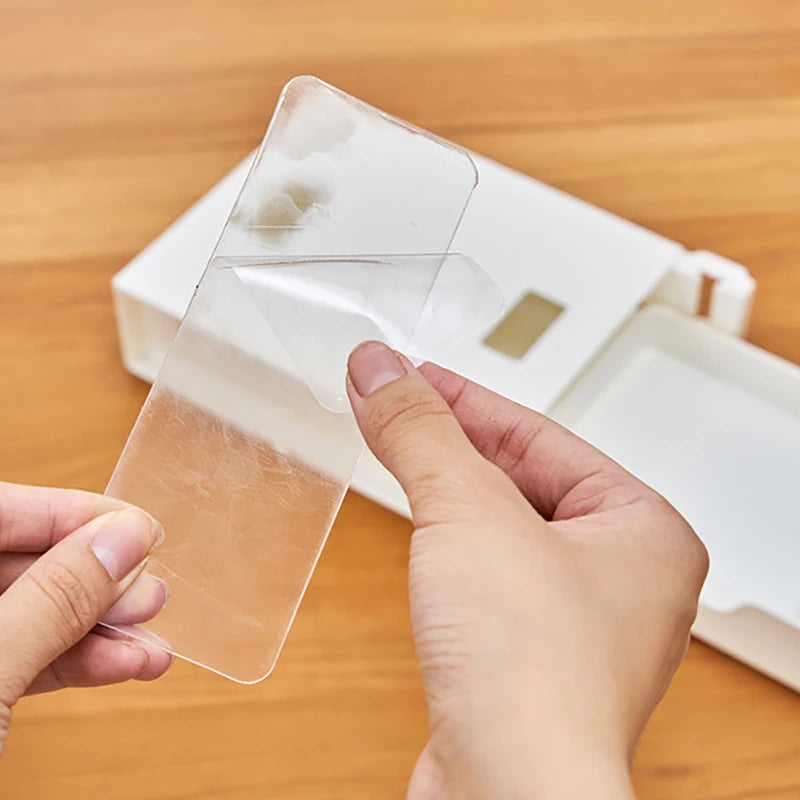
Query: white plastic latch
{"type": "Point", "coordinates": [705, 284]}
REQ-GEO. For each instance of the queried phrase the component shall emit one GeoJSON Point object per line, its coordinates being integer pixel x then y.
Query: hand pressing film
{"type": "Point", "coordinates": [69, 559]}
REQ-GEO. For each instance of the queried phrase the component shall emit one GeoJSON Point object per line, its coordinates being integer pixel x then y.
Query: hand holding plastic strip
{"type": "Point", "coordinates": [246, 444]}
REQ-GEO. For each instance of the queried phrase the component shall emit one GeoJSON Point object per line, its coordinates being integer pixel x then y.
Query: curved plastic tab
{"type": "Point", "coordinates": [321, 308]}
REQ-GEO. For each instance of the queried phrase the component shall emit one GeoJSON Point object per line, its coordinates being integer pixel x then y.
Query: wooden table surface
{"type": "Point", "coordinates": [682, 116]}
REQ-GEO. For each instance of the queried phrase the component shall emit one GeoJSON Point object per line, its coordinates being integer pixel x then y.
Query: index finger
{"type": "Point", "coordinates": [560, 474]}
{"type": "Point", "coordinates": [34, 518]}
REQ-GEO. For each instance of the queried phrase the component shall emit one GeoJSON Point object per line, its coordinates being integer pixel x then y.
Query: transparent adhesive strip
{"type": "Point", "coordinates": [246, 444]}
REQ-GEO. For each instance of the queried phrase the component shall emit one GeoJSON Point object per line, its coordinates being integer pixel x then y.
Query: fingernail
{"type": "Point", "coordinates": [143, 636]}
{"type": "Point", "coordinates": [162, 644]}
{"type": "Point", "coordinates": [373, 365]}
{"type": "Point", "coordinates": [148, 637]}
{"type": "Point", "coordinates": [140, 650]}
{"type": "Point", "coordinates": [146, 596]}
{"type": "Point", "coordinates": [159, 533]}
{"type": "Point", "coordinates": [123, 540]}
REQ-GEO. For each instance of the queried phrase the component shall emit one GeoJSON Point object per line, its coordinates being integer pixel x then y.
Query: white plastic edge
{"type": "Point", "coordinates": [732, 290]}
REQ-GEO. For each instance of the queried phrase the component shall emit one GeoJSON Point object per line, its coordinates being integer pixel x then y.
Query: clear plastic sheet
{"type": "Point", "coordinates": [246, 444]}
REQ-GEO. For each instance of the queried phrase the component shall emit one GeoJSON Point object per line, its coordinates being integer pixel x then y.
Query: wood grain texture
{"type": "Point", "coordinates": [682, 116]}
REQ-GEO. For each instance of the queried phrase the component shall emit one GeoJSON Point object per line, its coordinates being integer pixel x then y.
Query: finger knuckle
{"type": "Point", "coordinates": [676, 546]}
{"type": "Point", "coordinates": [441, 499]}
{"type": "Point", "coordinates": [683, 546]}
{"type": "Point", "coordinates": [404, 416]}
{"type": "Point", "coordinates": [73, 602]}
{"type": "Point", "coordinates": [473, 492]}
{"type": "Point", "coordinates": [697, 559]}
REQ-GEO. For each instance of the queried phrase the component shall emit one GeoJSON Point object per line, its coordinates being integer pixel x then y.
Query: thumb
{"type": "Point", "coordinates": [411, 430]}
{"type": "Point", "coordinates": [64, 593]}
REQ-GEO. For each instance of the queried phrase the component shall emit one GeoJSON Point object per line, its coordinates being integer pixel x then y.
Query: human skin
{"type": "Point", "coordinates": [69, 559]}
{"type": "Point", "coordinates": [551, 592]}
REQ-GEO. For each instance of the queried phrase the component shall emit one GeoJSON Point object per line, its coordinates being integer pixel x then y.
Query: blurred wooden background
{"type": "Point", "coordinates": [682, 116]}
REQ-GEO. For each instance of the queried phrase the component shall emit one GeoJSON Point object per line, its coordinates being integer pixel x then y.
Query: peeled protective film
{"type": "Point", "coordinates": [246, 444]}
